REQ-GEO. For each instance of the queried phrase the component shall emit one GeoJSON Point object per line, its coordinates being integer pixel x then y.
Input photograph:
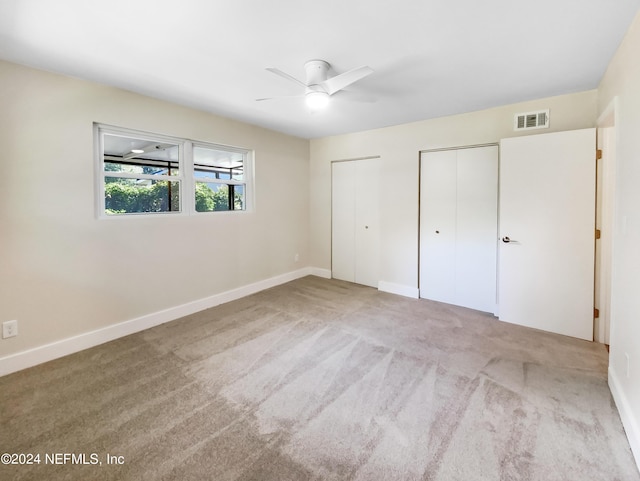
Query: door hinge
{"type": "Point", "coordinates": [596, 313]}
{"type": "Point", "coordinates": [598, 154]}
{"type": "Point", "coordinates": [598, 233]}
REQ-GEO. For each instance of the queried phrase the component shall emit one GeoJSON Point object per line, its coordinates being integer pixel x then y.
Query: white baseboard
{"type": "Point", "coordinates": [317, 271]}
{"type": "Point", "coordinates": [48, 352]}
{"type": "Point", "coordinates": [627, 416]}
{"type": "Point", "coordinates": [399, 289]}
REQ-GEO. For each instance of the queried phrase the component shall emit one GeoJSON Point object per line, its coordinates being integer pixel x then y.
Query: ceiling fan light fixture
{"type": "Point", "coordinates": [317, 100]}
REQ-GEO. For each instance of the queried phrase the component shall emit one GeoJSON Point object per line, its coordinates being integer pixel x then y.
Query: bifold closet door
{"type": "Point", "coordinates": [355, 237]}
{"type": "Point", "coordinates": [458, 226]}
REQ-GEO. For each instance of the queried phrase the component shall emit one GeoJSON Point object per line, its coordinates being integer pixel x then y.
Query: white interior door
{"type": "Point", "coordinates": [547, 222]}
{"type": "Point", "coordinates": [355, 237]}
{"type": "Point", "coordinates": [458, 226]}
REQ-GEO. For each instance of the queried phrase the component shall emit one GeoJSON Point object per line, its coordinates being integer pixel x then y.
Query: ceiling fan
{"type": "Point", "coordinates": [319, 87]}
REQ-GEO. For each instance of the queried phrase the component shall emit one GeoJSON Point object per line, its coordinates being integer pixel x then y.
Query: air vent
{"type": "Point", "coordinates": [532, 120]}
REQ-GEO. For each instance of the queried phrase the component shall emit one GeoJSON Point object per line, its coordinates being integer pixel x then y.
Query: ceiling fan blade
{"type": "Point", "coordinates": [343, 80]}
{"type": "Point", "coordinates": [286, 76]}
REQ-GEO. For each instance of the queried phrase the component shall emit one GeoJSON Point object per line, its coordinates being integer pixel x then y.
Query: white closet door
{"type": "Point", "coordinates": [458, 226]}
{"type": "Point", "coordinates": [438, 226]}
{"type": "Point", "coordinates": [477, 228]}
{"type": "Point", "coordinates": [367, 223]}
{"type": "Point", "coordinates": [343, 212]}
{"type": "Point", "coordinates": [355, 237]}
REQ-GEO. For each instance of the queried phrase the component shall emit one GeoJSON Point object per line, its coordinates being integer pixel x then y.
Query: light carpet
{"type": "Point", "coordinates": [321, 380]}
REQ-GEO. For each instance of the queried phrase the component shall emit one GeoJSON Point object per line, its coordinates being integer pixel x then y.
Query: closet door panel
{"type": "Point", "coordinates": [343, 205]}
{"type": "Point", "coordinates": [438, 225]}
{"type": "Point", "coordinates": [367, 222]}
{"type": "Point", "coordinates": [477, 228]}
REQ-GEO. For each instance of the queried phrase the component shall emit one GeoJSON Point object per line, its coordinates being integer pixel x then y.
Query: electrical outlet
{"type": "Point", "coordinates": [296, 258]}
{"type": "Point", "coordinates": [9, 329]}
{"type": "Point", "coordinates": [626, 356]}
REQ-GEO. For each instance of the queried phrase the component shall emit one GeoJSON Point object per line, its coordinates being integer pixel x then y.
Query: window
{"type": "Point", "coordinates": [149, 174]}
{"type": "Point", "coordinates": [141, 174]}
{"type": "Point", "coordinates": [219, 178]}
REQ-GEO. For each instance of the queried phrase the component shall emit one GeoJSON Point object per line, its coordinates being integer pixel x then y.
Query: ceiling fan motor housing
{"type": "Point", "coordinates": [317, 72]}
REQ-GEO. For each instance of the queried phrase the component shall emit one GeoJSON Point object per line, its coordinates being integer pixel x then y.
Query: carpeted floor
{"type": "Point", "coordinates": [321, 380]}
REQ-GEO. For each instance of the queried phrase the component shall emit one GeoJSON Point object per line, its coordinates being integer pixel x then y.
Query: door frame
{"type": "Point", "coordinates": [605, 213]}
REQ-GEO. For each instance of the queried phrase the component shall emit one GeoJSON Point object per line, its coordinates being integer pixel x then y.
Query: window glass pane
{"type": "Point", "coordinates": [139, 156]}
{"type": "Point", "coordinates": [128, 196]}
{"type": "Point", "coordinates": [238, 197]}
{"type": "Point", "coordinates": [218, 163]}
{"type": "Point", "coordinates": [212, 197]}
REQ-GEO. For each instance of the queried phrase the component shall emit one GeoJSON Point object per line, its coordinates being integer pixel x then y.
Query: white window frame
{"type": "Point", "coordinates": [186, 178]}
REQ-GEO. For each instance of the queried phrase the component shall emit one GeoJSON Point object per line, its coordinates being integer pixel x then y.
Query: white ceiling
{"type": "Point", "coordinates": [431, 57]}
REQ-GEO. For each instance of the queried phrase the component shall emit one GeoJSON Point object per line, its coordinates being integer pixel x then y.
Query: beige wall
{"type": "Point", "coordinates": [64, 273]}
{"type": "Point", "coordinates": [622, 80]}
{"type": "Point", "coordinates": [398, 147]}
